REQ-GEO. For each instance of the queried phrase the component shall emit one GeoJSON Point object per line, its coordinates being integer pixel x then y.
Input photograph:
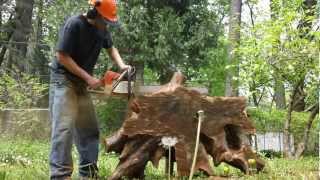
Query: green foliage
{"type": "Point", "coordinates": [20, 90]}
{"type": "Point", "coordinates": [164, 36]}
{"type": "Point", "coordinates": [280, 48]}
{"type": "Point", "coordinates": [213, 74]}
{"type": "Point", "coordinates": [111, 114]}
{"type": "Point", "coordinates": [56, 13]}
{"type": "Point", "coordinates": [164, 39]}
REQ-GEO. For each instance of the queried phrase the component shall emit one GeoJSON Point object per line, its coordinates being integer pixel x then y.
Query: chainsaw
{"type": "Point", "coordinates": [117, 83]}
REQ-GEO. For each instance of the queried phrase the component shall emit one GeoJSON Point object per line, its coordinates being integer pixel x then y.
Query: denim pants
{"type": "Point", "coordinates": [73, 120]}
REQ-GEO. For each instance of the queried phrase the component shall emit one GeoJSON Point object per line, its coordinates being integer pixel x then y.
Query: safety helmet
{"type": "Point", "coordinates": [107, 9]}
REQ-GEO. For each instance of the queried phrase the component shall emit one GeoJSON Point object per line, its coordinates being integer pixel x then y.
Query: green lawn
{"type": "Point", "coordinates": [28, 160]}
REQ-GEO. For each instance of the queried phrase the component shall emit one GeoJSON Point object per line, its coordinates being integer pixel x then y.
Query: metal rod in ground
{"type": "Point", "coordinates": [201, 117]}
{"type": "Point", "coordinates": [169, 169]}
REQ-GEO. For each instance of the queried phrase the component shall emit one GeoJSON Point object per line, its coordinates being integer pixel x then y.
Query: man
{"type": "Point", "coordinates": [71, 109]}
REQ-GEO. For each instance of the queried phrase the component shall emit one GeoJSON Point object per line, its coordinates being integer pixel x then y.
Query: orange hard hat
{"type": "Point", "coordinates": [107, 9]}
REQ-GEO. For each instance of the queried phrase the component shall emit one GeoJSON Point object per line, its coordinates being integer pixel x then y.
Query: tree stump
{"type": "Point", "coordinates": [172, 111]}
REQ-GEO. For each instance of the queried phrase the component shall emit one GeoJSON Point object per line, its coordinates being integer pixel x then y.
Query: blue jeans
{"type": "Point", "coordinates": [73, 120]}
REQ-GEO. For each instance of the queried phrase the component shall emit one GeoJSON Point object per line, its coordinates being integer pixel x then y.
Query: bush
{"type": "Point", "coordinates": [21, 90]}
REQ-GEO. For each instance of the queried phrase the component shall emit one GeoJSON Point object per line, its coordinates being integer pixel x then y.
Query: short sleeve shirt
{"type": "Point", "coordinates": [82, 42]}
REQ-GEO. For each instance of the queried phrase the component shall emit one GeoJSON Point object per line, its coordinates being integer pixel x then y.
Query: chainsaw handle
{"type": "Point", "coordinates": [90, 90]}
{"type": "Point", "coordinates": [130, 73]}
{"type": "Point", "coordinates": [122, 75]}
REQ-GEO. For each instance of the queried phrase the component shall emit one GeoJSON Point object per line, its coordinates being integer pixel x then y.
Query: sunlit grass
{"type": "Point", "coordinates": [28, 160]}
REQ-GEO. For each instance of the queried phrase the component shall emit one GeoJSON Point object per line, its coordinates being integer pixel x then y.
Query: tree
{"type": "Point", "coordinates": [303, 144]}
{"type": "Point", "coordinates": [166, 37]}
{"type": "Point", "coordinates": [234, 42]}
{"type": "Point", "coordinates": [22, 29]}
{"type": "Point", "coordinates": [37, 46]}
{"type": "Point", "coordinates": [6, 28]}
{"type": "Point", "coordinates": [277, 48]}
{"type": "Point", "coordinates": [278, 87]}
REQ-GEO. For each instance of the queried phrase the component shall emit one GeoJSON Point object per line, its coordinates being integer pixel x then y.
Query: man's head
{"type": "Point", "coordinates": [104, 12]}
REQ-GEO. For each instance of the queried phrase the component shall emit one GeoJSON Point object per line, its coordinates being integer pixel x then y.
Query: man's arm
{"type": "Point", "coordinates": [72, 67]}
{"type": "Point", "coordinates": [116, 58]}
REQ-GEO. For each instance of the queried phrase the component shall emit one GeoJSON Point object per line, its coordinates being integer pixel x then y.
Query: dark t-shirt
{"type": "Point", "coordinates": [82, 42]}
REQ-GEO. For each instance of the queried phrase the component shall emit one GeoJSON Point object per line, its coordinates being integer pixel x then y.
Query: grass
{"type": "Point", "coordinates": [28, 160]}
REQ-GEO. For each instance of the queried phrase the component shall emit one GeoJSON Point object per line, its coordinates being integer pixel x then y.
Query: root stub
{"type": "Point", "coordinates": [172, 112]}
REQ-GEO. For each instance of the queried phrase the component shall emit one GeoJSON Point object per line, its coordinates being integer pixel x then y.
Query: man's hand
{"type": "Point", "coordinates": [71, 66]}
{"type": "Point", "coordinates": [94, 83]}
{"type": "Point", "coordinates": [125, 67]}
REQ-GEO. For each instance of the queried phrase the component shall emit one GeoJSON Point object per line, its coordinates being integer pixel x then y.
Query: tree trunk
{"type": "Point", "coordinates": [279, 89]}
{"type": "Point", "coordinates": [232, 85]}
{"type": "Point", "coordinates": [254, 90]}
{"type": "Point", "coordinates": [299, 104]}
{"type": "Point", "coordinates": [22, 29]}
{"type": "Point", "coordinates": [287, 124]}
{"type": "Point", "coordinates": [286, 133]}
{"type": "Point", "coordinates": [172, 112]}
{"type": "Point", "coordinates": [279, 94]}
{"type": "Point", "coordinates": [7, 38]}
{"type": "Point", "coordinates": [303, 145]}
{"type": "Point", "coordinates": [305, 26]}
{"type": "Point", "coordinates": [2, 54]}
{"type": "Point", "coordinates": [39, 61]}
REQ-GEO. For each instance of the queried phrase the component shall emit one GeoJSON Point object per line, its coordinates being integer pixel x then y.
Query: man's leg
{"type": "Point", "coordinates": [63, 113]}
{"type": "Point", "coordinates": [87, 137]}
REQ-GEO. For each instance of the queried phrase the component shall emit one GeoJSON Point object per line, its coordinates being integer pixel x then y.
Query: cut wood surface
{"type": "Point", "coordinates": [172, 112]}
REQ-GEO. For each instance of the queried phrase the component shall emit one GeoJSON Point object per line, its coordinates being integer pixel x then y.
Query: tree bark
{"type": "Point", "coordinates": [302, 146]}
{"type": "Point", "coordinates": [299, 103]}
{"type": "Point", "coordinates": [286, 133]}
{"type": "Point", "coordinates": [7, 38]}
{"type": "Point", "coordinates": [279, 94]}
{"type": "Point", "coordinates": [39, 60]}
{"type": "Point", "coordinates": [2, 54]}
{"type": "Point", "coordinates": [22, 29]}
{"type": "Point", "coordinates": [232, 88]}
